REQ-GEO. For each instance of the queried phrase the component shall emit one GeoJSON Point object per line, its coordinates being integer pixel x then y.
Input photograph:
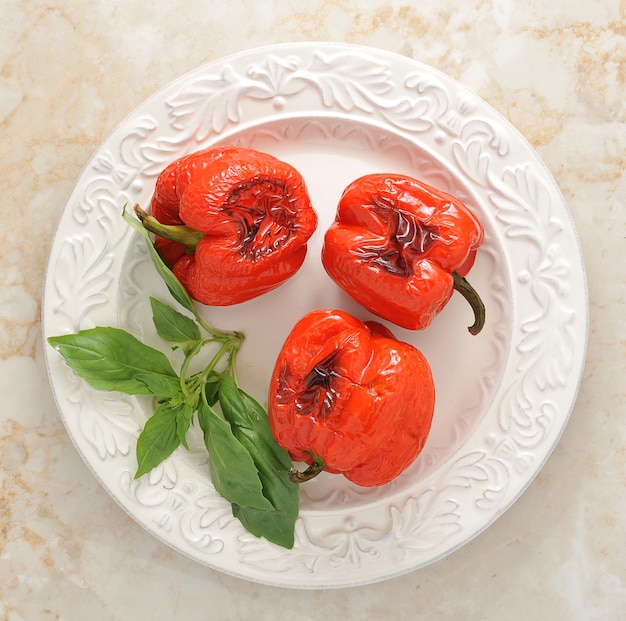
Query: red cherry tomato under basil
{"type": "Point", "coordinates": [232, 223]}
{"type": "Point", "coordinates": [400, 248]}
{"type": "Point", "coordinates": [348, 397]}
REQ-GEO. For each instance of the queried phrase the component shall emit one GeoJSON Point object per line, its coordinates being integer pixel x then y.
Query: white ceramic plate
{"type": "Point", "coordinates": [335, 112]}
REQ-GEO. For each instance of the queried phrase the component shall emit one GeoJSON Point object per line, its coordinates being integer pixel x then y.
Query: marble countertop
{"type": "Point", "coordinates": [72, 71]}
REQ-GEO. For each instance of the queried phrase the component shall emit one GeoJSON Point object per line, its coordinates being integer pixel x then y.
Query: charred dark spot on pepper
{"type": "Point", "coordinates": [318, 394]}
{"type": "Point", "coordinates": [264, 213]}
{"type": "Point", "coordinates": [407, 238]}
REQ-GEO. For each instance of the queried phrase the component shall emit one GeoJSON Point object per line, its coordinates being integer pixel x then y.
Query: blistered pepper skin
{"type": "Point", "coordinates": [351, 393]}
{"type": "Point", "coordinates": [253, 215]}
{"type": "Point", "coordinates": [396, 245]}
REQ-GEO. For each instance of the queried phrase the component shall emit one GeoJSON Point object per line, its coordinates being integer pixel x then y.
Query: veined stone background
{"type": "Point", "coordinates": [71, 71]}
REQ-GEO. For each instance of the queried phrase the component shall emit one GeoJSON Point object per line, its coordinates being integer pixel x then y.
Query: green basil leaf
{"type": "Point", "coordinates": [234, 409]}
{"type": "Point", "coordinates": [274, 464]}
{"type": "Point", "coordinates": [233, 472]}
{"type": "Point", "coordinates": [276, 526]}
{"type": "Point", "coordinates": [159, 385]}
{"type": "Point", "coordinates": [173, 326]}
{"type": "Point", "coordinates": [158, 440]}
{"type": "Point", "coordinates": [212, 388]}
{"type": "Point", "coordinates": [179, 293]}
{"type": "Point", "coordinates": [262, 428]}
{"type": "Point", "coordinates": [114, 360]}
{"type": "Point", "coordinates": [251, 428]}
{"type": "Point", "coordinates": [184, 414]}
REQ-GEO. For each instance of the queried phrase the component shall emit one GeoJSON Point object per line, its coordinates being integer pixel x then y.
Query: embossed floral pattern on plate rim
{"type": "Point", "coordinates": [371, 109]}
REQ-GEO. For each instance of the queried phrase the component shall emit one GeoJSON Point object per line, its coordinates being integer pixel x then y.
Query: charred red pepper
{"type": "Point", "coordinates": [400, 248]}
{"type": "Point", "coordinates": [231, 222]}
{"type": "Point", "coordinates": [347, 397]}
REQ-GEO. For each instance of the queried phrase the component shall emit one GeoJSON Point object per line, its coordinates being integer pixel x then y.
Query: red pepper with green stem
{"type": "Point", "coordinates": [348, 397]}
{"type": "Point", "coordinates": [232, 223]}
{"type": "Point", "coordinates": [400, 248]}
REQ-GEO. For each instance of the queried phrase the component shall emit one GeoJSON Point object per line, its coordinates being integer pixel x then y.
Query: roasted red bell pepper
{"type": "Point", "coordinates": [347, 397]}
{"type": "Point", "coordinates": [231, 222]}
{"type": "Point", "coordinates": [400, 247]}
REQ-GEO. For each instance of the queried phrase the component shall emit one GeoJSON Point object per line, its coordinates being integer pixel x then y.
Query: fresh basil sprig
{"type": "Point", "coordinates": [248, 468]}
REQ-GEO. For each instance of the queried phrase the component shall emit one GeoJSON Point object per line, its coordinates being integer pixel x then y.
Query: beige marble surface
{"type": "Point", "coordinates": [70, 71]}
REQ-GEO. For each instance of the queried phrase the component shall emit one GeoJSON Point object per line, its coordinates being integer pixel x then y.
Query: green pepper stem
{"type": "Point", "coordinates": [471, 295]}
{"type": "Point", "coordinates": [174, 232]}
{"type": "Point", "coordinates": [317, 465]}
